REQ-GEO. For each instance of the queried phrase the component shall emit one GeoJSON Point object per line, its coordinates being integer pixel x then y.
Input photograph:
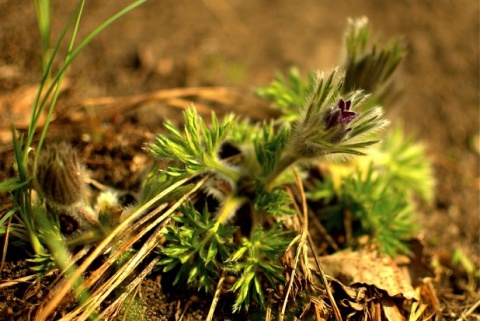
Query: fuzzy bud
{"type": "Point", "coordinates": [340, 114]}
{"type": "Point", "coordinates": [330, 125]}
{"type": "Point", "coordinates": [60, 177]}
{"type": "Point", "coordinates": [336, 121]}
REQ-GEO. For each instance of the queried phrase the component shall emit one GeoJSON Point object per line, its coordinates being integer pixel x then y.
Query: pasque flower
{"type": "Point", "coordinates": [337, 120]}
{"type": "Point", "coordinates": [61, 181]}
{"type": "Point", "coordinates": [329, 124]}
{"type": "Point", "coordinates": [340, 115]}
{"type": "Point", "coordinates": [60, 176]}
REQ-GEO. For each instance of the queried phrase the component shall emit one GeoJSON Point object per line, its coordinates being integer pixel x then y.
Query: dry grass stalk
{"type": "Point", "coordinates": [106, 243]}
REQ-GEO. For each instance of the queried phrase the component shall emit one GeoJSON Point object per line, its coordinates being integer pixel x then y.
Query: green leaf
{"type": "Point", "coordinates": [11, 184]}
{"type": "Point", "coordinates": [407, 164]}
{"type": "Point", "coordinates": [385, 214]}
{"type": "Point", "coordinates": [168, 264]}
{"type": "Point", "coordinates": [259, 253]}
{"type": "Point", "coordinates": [369, 65]}
{"type": "Point", "coordinates": [287, 93]}
{"type": "Point", "coordinates": [195, 151]}
{"type": "Point", "coordinates": [199, 245]}
{"type": "Point", "coordinates": [193, 274]}
{"type": "Point", "coordinates": [212, 252]}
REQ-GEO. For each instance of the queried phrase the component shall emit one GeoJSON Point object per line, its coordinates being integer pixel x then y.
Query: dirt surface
{"type": "Point", "coordinates": [241, 44]}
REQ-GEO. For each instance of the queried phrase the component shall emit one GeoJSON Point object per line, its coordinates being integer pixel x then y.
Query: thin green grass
{"type": "Point", "coordinates": [47, 96]}
{"type": "Point", "coordinates": [33, 223]}
{"type": "Point", "coordinates": [42, 9]}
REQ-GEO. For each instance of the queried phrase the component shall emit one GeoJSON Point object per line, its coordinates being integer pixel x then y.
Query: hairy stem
{"type": "Point", "coordinates": [234, 174]}
{"type": "Point", "coordinates": [231, 204]}
{"type": "Point", "coordinates": [285, 162]}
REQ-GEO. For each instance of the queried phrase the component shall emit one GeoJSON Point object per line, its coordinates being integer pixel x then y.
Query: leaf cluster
{"type": "Point", "coordinates": [256, 257]}
{"type": "Point", "coordinates": [287, 93]}
{"type": "Point", "coordinates": [41, 263]}
{"type": "Point", "coordinates": [195, 150]}
{"type": "Point", "coordinates": [198, 245]}
{"type": "Point", "coordinates": [275, 202]}
{"type": "Point", "coordinates": [385, 213]}
{"type": "Point", "coordinates": [379, 191]}
{"type": "Point", "coordinates": [405, 161]}
{"type": "Point", "coordinates": [200, 249]}
{"type": "Point", "coordinates": [369, 65]}
{"type": "Point", "coordinates": [269, 145]}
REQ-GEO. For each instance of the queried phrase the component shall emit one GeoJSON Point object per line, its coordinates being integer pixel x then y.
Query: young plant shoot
{"type": "Point", "coordinates": [201, 242]}
{"type": "Point", "coordinates": [240, 223]}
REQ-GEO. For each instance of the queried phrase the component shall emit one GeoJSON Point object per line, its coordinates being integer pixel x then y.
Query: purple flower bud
{"type": "Point", "coordinates": [336, 121]}
{"type": "Point", "coordinates": [333, 118]}
{"type": "Point", "coordinates": [341, 114]}
{"type": "Point", "coordinates": [347, 115]}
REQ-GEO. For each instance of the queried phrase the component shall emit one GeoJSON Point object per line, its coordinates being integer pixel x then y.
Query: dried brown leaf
{"type": "Point", "coordinates": [367, 268]}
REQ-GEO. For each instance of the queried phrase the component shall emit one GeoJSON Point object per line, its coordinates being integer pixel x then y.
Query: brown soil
{"type": "Point", "coordinates": [241, 44]}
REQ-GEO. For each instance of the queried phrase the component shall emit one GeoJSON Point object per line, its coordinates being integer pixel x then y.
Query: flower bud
{"type": "Point", "coordinates": [336, 121]}
{"type": "Point", "coordinates": [340, 114]}
{"type": "Point", "coordinates": [60, 178]}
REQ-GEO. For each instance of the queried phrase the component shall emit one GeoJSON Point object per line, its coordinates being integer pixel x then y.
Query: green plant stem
{"type": "Point", "coordinates": [25, 209]}
{"type": "Point", "coordinates": [61, 255]}
{"type": "Point", "coordinates": [58, 83]}
{"type": "Point", "coordinates": [42, 9]}
{"type": "Point", "coordinates": [91, 236]}
{"type": "Point", "coordinates": [285, 162]}
{"type": "Point", "coordinates": [28, 220]}
{"type": "Point", "coordinates": [35, 242]}
{"type": "Point", "coordinates": [66, 63]}
{"type": "Point", "coordinates": [22, 196]}
{"type": "Point", "coordinates": [229, 172]}
{"type": "Point", "coordinates": [231, 204]}
{"type": "Point", "coordinates": [37, 106]}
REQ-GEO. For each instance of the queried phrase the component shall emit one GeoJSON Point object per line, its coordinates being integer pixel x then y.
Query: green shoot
{"type": "Point", "coordinates": [198, 245]}
{"type": "Point", "coordinates": [48, 88]}
{"type": "Point", "coordinates": [197, 148]}
{"type": "Point", "coordinates": [369, 66]}
{"type": "Point", "coordinates": [287, 93]}
{"type": "Point", "coordinates": [258, 254]}
{"type": "Point", "coordinates": [42, 9]}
